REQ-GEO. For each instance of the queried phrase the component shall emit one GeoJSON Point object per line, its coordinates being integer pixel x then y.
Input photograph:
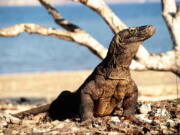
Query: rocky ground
{"type": "Point", "coordinates": [153, 117]}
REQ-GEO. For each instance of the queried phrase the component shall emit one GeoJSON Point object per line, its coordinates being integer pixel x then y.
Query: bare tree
{"type": "Point", "coordinates": [168, 61]}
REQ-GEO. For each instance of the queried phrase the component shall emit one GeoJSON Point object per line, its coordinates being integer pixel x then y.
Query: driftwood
{"type": "Point", "coordinates": [168, 61]}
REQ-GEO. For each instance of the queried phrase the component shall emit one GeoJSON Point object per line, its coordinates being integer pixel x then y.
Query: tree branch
{"type": "Point", "coordinates": [171, 16]}
{"type": "Point", "coordinates": [35, 29]}
{"type": "Point", "coordinates": [58, 17]}
{"type": "Point", "coordinates": [169, 61]}
{"type": "Point", "coordinates": [79, 37]}
{"type": "Point", "coordinates": [116, 25]}
{"type": "Point", "coordinates": [100, 7]}
{"type": "Point", "coordinates": [144, 59]}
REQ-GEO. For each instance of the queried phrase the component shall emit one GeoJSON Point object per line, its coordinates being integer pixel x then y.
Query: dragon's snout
{"type": "Point", "coordinates": [147, 31]}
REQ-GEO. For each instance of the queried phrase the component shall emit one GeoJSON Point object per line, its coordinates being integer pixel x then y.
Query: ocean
{"type": "Point", "coordinates": [36, 53]}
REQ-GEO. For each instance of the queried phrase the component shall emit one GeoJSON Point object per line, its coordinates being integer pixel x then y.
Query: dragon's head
{"type": "Point", "coordinates": [135, 34]}
{"type": "Point", "coordinates": [125, 44]}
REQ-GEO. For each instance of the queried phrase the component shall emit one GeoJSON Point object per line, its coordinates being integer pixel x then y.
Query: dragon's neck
{"type": "Point", "coordinates": [117, 62]}
{"type": "Point", "coordinates": [121, 55]}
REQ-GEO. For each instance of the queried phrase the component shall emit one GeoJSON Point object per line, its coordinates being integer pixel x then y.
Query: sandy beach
{"type": "Point", "coordinates": [33, 89]}
{"type": "Point", "coordinates": [151, 84]}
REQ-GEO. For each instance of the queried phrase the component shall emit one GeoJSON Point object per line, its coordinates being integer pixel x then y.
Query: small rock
{"type": "Point", "coordinates": [55, 132]}
{"type": "Point", "coordinates": [74, 129]}
{"type": "Point", "coordinates": [113, 133]}
{"type": "Point", "coordinates": [145, 108]}
{"type": "Point", "coordinates": [6, 117]}
{"type": "Point", "coordinates": [165, 131]}
{"type": "Point", "coordinates": [126, 124]}
{"type": "Point", "coordinates": [14, 132]}
{"type": "Point", "coordinates": [163, 113]}
{"type": "Point", "coordinates": [67, 121]}
{"type": "Point", "coordinates": [95, 124]}
{"type": "Point", "coordinates": [143, 117]}
{"type": "Point", "coordinates": [156, 122]}
{"type": "Point", "coordinates": [60, 125]}
{"type": "Point", "coordinates": [88, 134]}
{"type": "Point", "coordinates": [154, 132]}
{"type": "Point", "coordinates": [56, 122]}
{"type": "Point", "coordinates": [170, 123]}
{"type": "Point", "coordinates": [115, 119]}
{"type": "Point", "coordinates": [10, 119]}
{"type": "Point", "coordinates": [163, 126]}
{"type": "Point", "coordinates": [14, 120]}
{"type": "Point", "coordinates": [36, 130]}
{"type": "Point", "coordinates": [3, 124]}
{"type": "Point", "coordinates": [28, 122]}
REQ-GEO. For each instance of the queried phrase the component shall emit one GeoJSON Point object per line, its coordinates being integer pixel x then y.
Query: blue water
{"type": "Point", "coordinates": [35, 53]}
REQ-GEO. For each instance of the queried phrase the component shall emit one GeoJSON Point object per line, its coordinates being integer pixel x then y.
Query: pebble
{"type": "Point", "coordinates": [88, 134]}
{"type": "Point", "coordinates": [113, 133]}
{"type": "Point", "coordinates": [154, 132]}
{"type": "Point", "coordinates": [54, 132]}
{"type": "Point", "coordinates": [143, 117]}
{"type": "Point", "coordinates": [165, 131]}
{"type": "Point", "coordinates": [67, 121]}
{"type": "Point", "coordinates": [14, 120]}
{"type": "Point", "coordinates": [14, 132]}
{"type": "Point", "coordinates": [36, 130]}
{"type": "Point", "coordinates": [115, 119]}
{"type": "Point", "coordinates": [3, 124]}
{"type": "Point", "coordinates": [94, 124]}
{"type": "Point", "coordinates": [10, 119]}
{"type": "Point", "coordinates": [145, 108]}
{"type": "Point", "coordinates": [162, 112]}
{"type": "Point", "coordinates": [60, 125]}
{"type": "Point", "coordinates": [157, 121]}
{"type": "Point", "coordinates": [74, 129]}
{"type": "Point", "coordinates": [56, 122]}
{"type": "Point", "coordinates": [6, 117]}
{"type": "Point", "coordinates": [171, 123]}
{"type": "Point", "coordinates": [163, 126]}
{"type": "Point", "coordinates": [28, 122]}
{"type": "Point", "coordinates": [112, 124]}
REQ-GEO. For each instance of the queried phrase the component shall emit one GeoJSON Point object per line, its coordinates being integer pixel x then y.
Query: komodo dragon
{"type": "Point", "coordinates": [110, 82]}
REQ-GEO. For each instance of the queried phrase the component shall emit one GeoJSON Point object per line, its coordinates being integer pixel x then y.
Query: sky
{"type": "Point", "coordinates": [35, 2]}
